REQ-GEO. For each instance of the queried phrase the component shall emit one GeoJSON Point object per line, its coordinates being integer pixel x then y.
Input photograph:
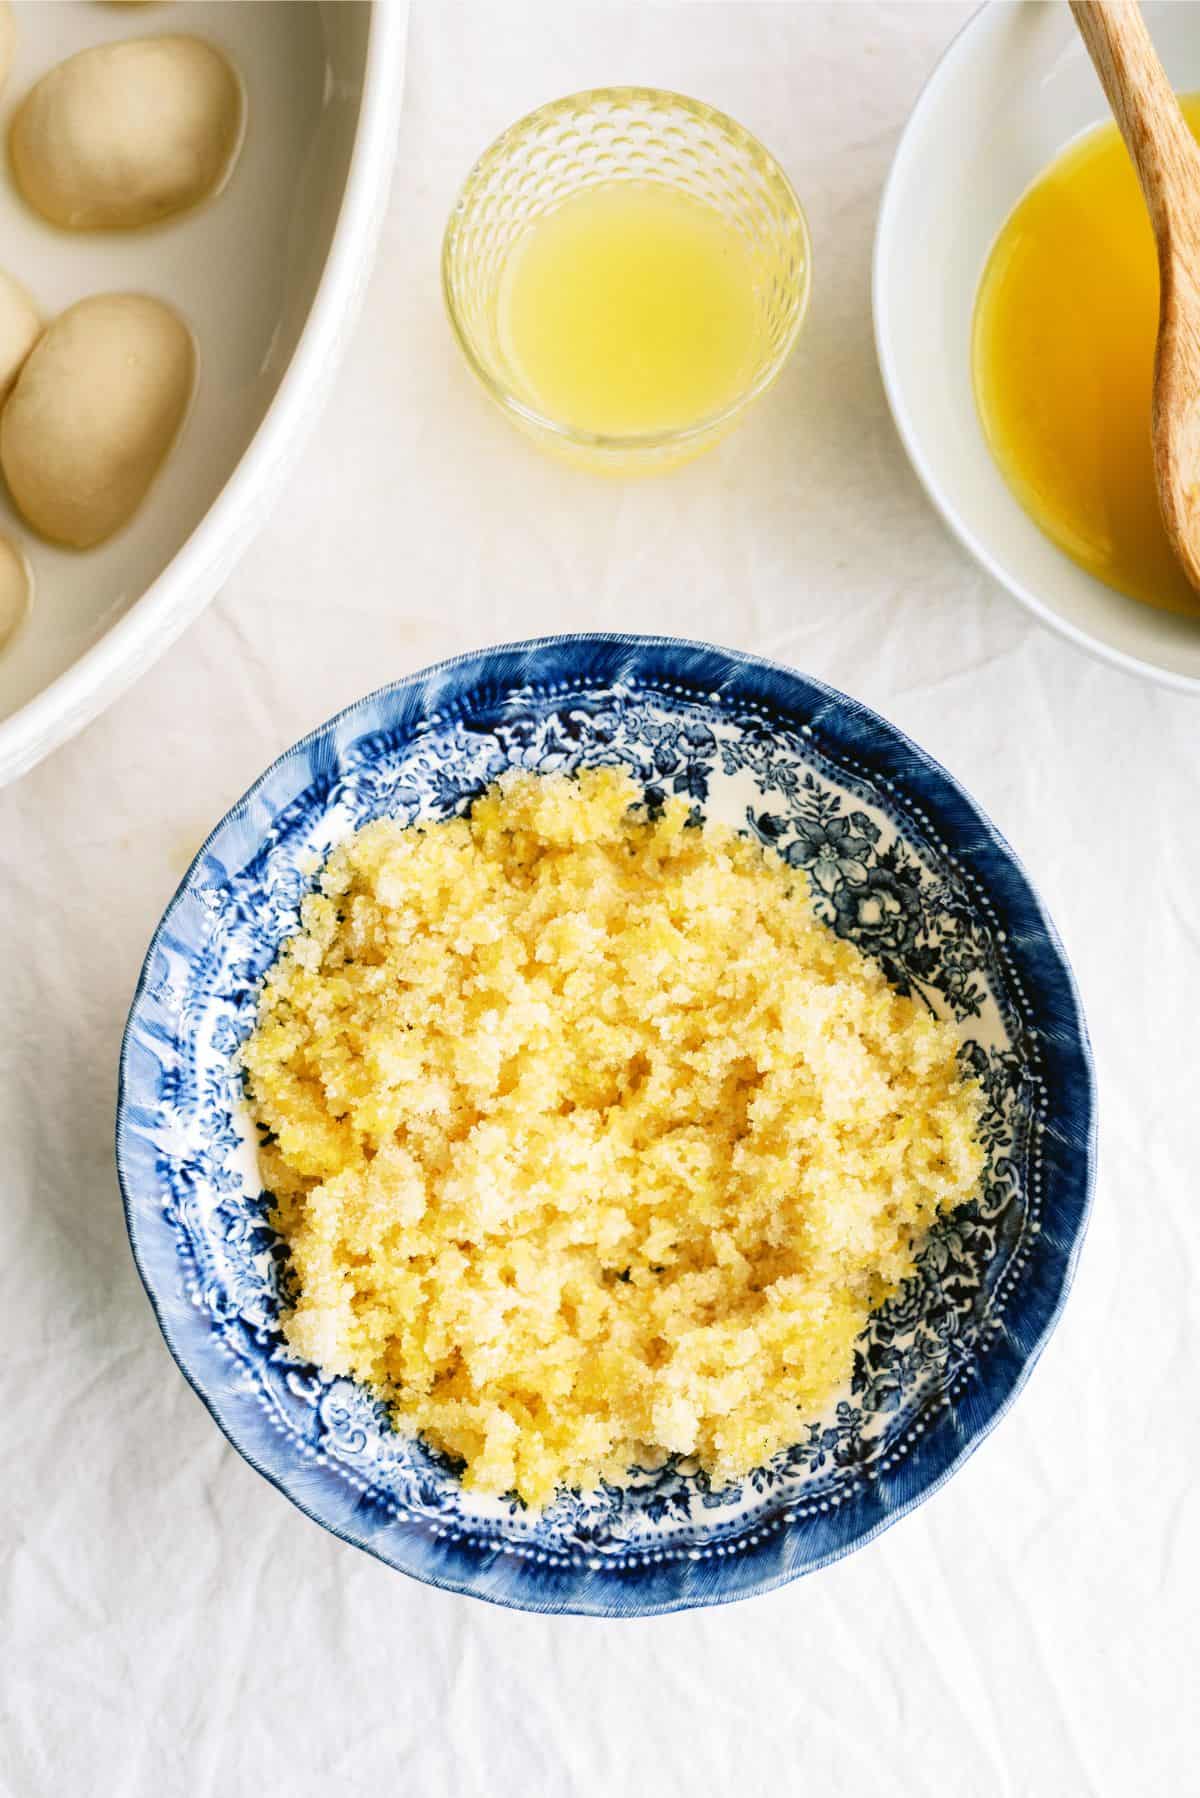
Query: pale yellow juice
{"type": "Point", "coordinates": [631, 309]}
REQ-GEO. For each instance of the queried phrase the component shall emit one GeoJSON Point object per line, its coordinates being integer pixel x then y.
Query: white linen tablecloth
{"type": "Point", "coordinates": [168, 1623]}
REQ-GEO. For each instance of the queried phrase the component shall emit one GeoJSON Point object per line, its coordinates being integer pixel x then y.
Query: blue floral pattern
{"type": "Point", "coordinates": [813, 777]}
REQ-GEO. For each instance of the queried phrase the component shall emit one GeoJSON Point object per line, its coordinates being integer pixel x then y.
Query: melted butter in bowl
{"type": "Point", "coordinates": [1063, 351]}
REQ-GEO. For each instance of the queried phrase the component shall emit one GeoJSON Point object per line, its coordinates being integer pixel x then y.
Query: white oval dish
{"type": "Point", "coordinates": [268, 276]}
{"type": "Point", "coordinates": [1014, 87]}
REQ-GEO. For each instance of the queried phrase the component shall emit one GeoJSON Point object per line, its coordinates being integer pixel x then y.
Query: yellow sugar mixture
{"type": "Point", "coordinates": [590, 1142]}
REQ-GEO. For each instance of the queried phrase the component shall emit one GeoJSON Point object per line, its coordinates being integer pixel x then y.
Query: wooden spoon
{"type": "Point", "coordinates": [1167, 160]}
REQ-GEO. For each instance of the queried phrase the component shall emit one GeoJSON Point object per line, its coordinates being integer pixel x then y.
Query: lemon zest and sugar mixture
{"type": "Point", "coordinates": [589, 1141]}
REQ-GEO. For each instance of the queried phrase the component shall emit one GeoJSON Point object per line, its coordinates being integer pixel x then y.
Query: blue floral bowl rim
{"type": "Point", "coordinates": [767, 1573]}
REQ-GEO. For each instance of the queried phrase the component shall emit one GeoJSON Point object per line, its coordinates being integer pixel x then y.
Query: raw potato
{"type": "Point", "coordinates": [14, 590]}
{"type": "Point", "coordinates": [94, 412]}
{"type": "Point", "coordinates": [125, 134]}
{"type": "Point", "coordinates": [20, 328]}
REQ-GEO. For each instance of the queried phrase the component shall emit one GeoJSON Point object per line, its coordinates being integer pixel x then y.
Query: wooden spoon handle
{"type": "Point", "coordinates": [1143, 101]}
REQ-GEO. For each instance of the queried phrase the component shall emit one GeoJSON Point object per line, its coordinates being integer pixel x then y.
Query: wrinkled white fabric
{"type": "Point", "coordinates": [168, 1623]}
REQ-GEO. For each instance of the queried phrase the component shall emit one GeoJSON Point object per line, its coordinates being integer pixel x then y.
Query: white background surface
{"type": "Point", "coordinates": [168, 1623]}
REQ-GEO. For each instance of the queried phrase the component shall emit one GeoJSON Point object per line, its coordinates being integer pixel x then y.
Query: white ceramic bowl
{"type": "Point", "coordinates": [268, 275]}
{"type": "Point", "coordinates": [1012, 89]}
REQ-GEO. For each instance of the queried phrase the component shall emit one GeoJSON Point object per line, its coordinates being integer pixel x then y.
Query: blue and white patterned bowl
{"type": "Point", "coordinates": [900, 861]}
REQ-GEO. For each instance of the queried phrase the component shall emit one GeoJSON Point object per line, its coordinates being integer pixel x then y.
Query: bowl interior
{"type": "Point", "coordinates": [1013, 89]}
{"type": "Point", "coordinates": [242, 270]}
{"type": "Point", "coordinates": [899, 861]}
{"type": "Point", "coordinates": [619, 134]}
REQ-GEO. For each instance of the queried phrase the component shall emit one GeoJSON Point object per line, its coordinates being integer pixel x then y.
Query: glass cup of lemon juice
{"type": "Point", "coordinates": [626, 271]}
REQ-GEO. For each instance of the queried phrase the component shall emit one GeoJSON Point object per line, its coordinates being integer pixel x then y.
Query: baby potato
{"type": "Point", "coordinates": [94, 412]}
{"type": "Point", "coordinates": [14, 589]}
{"type": "Point", "coordinates": [20, 327]}
{"type": "Point", "coordinates": [8, 38]}
{"type": "Point", "coordinates": [124, 134]}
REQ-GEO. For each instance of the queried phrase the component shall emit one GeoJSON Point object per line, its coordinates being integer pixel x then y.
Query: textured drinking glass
{"type": "Point", "coordinates": [622, 134]}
